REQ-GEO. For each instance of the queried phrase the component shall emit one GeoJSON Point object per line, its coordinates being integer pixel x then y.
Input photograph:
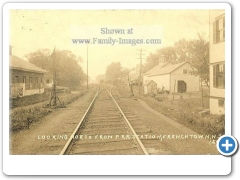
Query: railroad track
{"type": "Point", "coordinates": [104, 129]}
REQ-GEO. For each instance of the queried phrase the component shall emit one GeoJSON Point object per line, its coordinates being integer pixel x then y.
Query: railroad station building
{"type": "Point", "coordinates": [25, 78]}
{"type": "Point", "coordinates": [217, 61]}
{"type": "Point", "coordinates": [174, 78]}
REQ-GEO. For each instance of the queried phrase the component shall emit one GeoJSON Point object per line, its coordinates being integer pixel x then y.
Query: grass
{"type": "Point", "coordinates": [186, 109]}
{"type": "Point", "coordinates": [22, 117]}
{"type": "Point", "coordinates": [28, 100]}
{"type": "Point", "coordinates": [187, 112]}
{"type": "Point", "coordinates": [37, 98]}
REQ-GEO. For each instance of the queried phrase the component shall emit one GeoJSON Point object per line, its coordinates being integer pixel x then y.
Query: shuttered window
{"type": "Point", "coordinates": [224, 28]}
{"type": "Point", "coordinates": [219, 30]}
{"type": "Point", "coordinates": [16, 79]}
{"type": "Point", "coordinates": [214, 32]}
{"type": "Point", "coordinates": [214, 76]}
{"type": "Point", "coordinates": [219, 76]}
{"type": "Point", "coordinates": [24, 79]}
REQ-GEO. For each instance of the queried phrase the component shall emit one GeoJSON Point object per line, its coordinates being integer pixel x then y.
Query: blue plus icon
{"type": "Point", "coordinates": [227, 145]}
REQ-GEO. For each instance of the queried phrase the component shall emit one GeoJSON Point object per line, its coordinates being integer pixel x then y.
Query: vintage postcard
{"type": "Point", "coordinates": [118, 79]}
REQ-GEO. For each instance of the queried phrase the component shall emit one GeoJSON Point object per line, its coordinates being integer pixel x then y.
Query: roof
{"type": "Point", "coordinates": [147, 82]}
{"type": "Point", "coordinates": [20, 64]}
{"type": "Point", "coordinates": [156, 68]}
{"type": "Point", "coordinates": [166, 70]}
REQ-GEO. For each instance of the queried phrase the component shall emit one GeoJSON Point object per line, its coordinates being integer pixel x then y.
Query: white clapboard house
{"type": "Point", "coordinates": [217, 61]}
{"type": "Point", "coordinates": [177, 78]}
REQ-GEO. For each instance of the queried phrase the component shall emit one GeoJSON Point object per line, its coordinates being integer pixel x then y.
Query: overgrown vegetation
{"type": "Point", "coordinates": [185, 108]}
{"type": "Point", "coordinates": [23, 117]}
{"type": "Point", "coordinates": [27, 100]}
{"type": "Point", "coordinates": [188, 112]}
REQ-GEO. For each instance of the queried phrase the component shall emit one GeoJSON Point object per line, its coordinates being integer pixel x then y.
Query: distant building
{"type": "Point", "coordinates": [150, 87]}
{"type": "Point", "coordinates": [25, 78]}
{"type": "Point", "coordinates": [177, 78]}
{"type": "Point", "coordinates": [217, 61]}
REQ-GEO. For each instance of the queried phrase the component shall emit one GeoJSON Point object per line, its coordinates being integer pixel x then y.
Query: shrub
{"type": "Point", "coordinates": [161, 98]}
{"type": "Point", "coordinates": [20, 118]}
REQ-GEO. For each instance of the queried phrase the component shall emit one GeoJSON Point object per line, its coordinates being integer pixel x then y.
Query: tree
{"type": "Point", "coordinates": [197, 53]}
{"type": "Point", "coordinates": [182, 49]}
{"type": "Point", "coordinates": [168, 53]}
{"type": "Point", "coordinates": [194, 51]}
{"type": "Point", "coordinates": [69, 72]}
{"type": "Point", "coordinates": [100, 78]}
{"type": "Point", "coordinates": [151, 61]}
{"type": "Point", "coordinates": [113, 71]}
{"type": "Point", "coordinates": [124, 72]}
{"type": "Point", "coordinates": [41, 58]}
{"type": "Point", "coordinates": [200, 58]}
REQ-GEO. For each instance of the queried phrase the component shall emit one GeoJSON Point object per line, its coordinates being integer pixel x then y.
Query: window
{"type": "Point", "coordinates": [219, 76]}
{"type": "Point", "coordinates": [221, 102]}
{"type": "Point", "coordinates": [219, 30]}
{"type": "Point", "coordinates": [185, 71]}
{"type": "Point", "coordinates": [16, 79]}
{"type": "Point", "coordinates": [24, 79]}
{"type": "Point", "coordinates": [47, 81]}
{"type": "Point", "coordinates": [30, 80]}
{"type": "Point", "coordinates": [36, 79]}
{"type": "Point", "coordinates": [41, 79]}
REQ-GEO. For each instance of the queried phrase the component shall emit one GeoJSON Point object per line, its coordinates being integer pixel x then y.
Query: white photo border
{"type": "Point", "coordinates": [118, 164]}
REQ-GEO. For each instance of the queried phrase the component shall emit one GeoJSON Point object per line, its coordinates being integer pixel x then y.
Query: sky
{"type": "Point", "coordinates": [31, 30]}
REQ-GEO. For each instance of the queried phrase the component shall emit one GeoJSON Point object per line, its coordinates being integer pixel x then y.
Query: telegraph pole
{"type": "Point", "coordinates": [87, 66]}
{"type": "Point", "coordinates": [54, 79]}
{"type": "Point", "coordinates": [140, 70]}
{"type": "Point", "coordinates": [54, 97]}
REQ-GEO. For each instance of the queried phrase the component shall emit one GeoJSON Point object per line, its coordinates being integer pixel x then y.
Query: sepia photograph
{"type": "Point", "coordinates": [116, 81]}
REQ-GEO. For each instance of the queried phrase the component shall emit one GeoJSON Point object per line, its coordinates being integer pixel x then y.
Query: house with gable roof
{"type": "Point", "coordinates": [174, 78]}
{"type": "Point", "coordinates": [25, 78]}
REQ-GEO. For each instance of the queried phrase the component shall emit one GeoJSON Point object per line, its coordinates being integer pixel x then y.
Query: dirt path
{"type": "Point", "coordinates": [173, 137]}
{"type": "Point", "coordinates": [56, 126]}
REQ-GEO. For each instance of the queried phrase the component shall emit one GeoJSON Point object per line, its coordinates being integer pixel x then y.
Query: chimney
{"type": "Point", "coordinates": [162, 59]}
{"type": "Point", "coordinates": [10, 50]}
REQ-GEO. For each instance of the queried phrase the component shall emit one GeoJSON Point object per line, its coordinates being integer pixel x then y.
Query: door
{"type": "Point", "coordinates": [182, 87]}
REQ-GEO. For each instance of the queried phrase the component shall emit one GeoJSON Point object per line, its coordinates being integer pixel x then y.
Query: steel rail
{"type": "Point", "coordinates": [79, 124]}
{"type": "Point", "coordinates": [129, 125]}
